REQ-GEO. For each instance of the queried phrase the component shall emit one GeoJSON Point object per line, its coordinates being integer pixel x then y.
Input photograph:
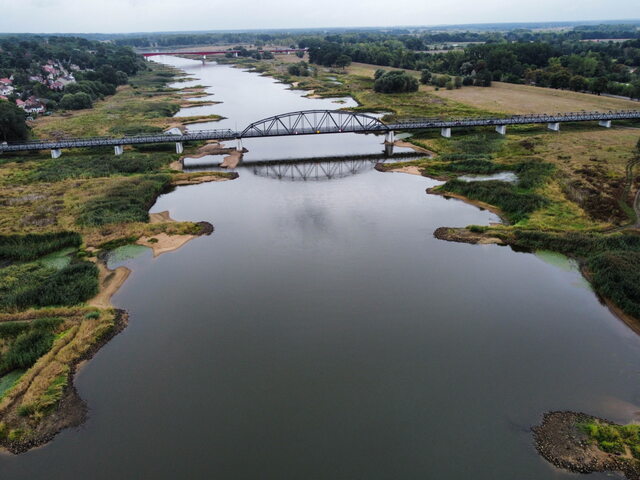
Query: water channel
{"type": "Point", "coordinates": [321, 332]}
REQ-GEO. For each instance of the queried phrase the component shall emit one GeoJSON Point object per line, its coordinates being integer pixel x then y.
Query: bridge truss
{"type": "Point", "coordinates": [311, 122]}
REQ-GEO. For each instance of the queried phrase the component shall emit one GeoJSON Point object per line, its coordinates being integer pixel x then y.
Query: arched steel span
{"type": "Point", "coordinates": [309, 122]}
{"type": "Point", "coordinates": [320, 121]}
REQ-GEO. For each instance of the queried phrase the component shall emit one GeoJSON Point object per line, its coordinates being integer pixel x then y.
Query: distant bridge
{"type": "Point", "coordinates": [313, 122]}
{"type": "Point", "coordinates": [205, 53]}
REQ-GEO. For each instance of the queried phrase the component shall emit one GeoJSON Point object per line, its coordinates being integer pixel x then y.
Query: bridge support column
{"type": "Point", "coordinates": [501, 129]}
{"type": "Point", "coordinates": [239, 146]}
{"type": "Point", "coordinates": [179, 147]}
{"type": "Point", "coordinates": [390, 137]}
{"type": "Point", "coordinates": [605, 123]}
{"type": "Point", "coordinates": [554, 126]}
{"type": "Point", "coordinates": [118, 149]}
{"type": "Point", "coordinates": [204, 59]}
{"type": "Point", "coordinates": [235, 54]}
{"type": "Point", "coordinates": [445, 132]}
{"type": "Point", "coordinates": [56, 152]}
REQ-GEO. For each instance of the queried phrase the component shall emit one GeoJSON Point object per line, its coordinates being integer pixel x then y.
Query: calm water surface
{"type": "Point", "coordinates": [321, 332]}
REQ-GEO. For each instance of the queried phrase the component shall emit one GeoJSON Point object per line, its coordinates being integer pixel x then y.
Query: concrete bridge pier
{"type": "Point", "coordinates": [605, 123]}
{"type": "Point", "coordinates": [239, 147]}
{"type": "Point", "coordinates": [56, 152]}
{"type": "Point", "coordinates": [388, 149]}
{"type": "Point", "coordinates": [501, 129]}
{"type": "Point", "coordinates": [179, 147]}
{"type": "Point", "coordinates": [445, 132]}
{"type": "Point", "coordinates": [118, 149]}
{"type": "Point", "coordinates": [390, 137]}
{"type": "Point", "coordinates": [204, 59]}
{"type": "Point", "coordinates": [554, 126]}
{"type": "Point", "coordinates": [235, 54]}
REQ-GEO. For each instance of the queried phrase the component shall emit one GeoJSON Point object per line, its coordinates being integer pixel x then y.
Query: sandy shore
{"type": "Point", "coordinates": [110, 281]}
{"type": "Point", "coordinates": [411, 170]}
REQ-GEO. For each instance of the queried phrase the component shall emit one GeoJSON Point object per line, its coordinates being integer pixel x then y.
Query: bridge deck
{"type": "Point", "coordinates": [316, 122]}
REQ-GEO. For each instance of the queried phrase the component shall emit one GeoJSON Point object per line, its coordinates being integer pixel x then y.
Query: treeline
{"type": "Point", "coordinates": [610, 67]}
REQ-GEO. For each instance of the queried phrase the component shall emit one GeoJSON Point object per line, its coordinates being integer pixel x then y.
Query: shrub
{"type": "Point", "coordinates": [92, 166]}
{"type": "Point", "coordinates": [129, 201]}
{"type": "Point", "coordinates": [26, 350]}
{"type": "Point", "coordinates": [35, 285]}
{"type": "Point", "coordinates": [32, 246]}
{"type": "Point", "coordinates": [515, 204]}
{"type": "Point", "coordinates": [396, 81]}
{"type": "Point", "coordinates": [616, 275]}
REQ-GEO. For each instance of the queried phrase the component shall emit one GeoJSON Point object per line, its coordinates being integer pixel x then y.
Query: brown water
{"type": "Point", "coordinates": [321, 332]}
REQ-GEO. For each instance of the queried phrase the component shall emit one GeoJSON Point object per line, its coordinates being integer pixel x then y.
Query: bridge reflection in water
{"type": "Point", "coordinates": [313, 170]}
{"type": "Point", "coordinates": [310, 169]}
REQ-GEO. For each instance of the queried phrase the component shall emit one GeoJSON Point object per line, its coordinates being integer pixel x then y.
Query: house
{"type": "Point", "coordinates": [20, 103]}
{"type": "Point", "coordinates": [6, 82]}
{"type": "Point", "coordinates": [34, 105]}
{"type": "Point", "coordinates": [2, 97]}
{"type": "Point", "coordinates": [57, 85]}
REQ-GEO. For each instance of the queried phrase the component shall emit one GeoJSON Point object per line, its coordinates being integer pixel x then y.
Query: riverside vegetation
{"type": "Point", "coordinates": [57, 219]}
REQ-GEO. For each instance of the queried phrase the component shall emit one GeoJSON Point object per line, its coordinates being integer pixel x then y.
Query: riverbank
{"type": "Point", "coordinates": [106, 202]}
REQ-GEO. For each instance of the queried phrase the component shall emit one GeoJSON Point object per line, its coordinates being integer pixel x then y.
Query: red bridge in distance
{"type": "Point", "coordinates": [224, 52]}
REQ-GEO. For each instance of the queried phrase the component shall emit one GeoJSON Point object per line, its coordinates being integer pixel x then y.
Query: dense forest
{"type": "Point", "coordinates": [559, 61]}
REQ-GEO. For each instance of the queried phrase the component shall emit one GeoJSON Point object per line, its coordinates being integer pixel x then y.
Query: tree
{"type": "Point", "coordinates": [396, 81]}
{"type": "Point", "coordinates": [75, 101]}
{"type": "Point", "coordinates": [13, 125]}
{"type": "Point", "coordinates": [484, 78]}
{"type": "Point", "coordinates": [425, 76]}
{"type": "Point", "coordinates": [578, 83]}
{"type": "Point", "coordinates": [457, 81]}
{"type": "Point", "coordinates": [598, 85]}
{"type": "Point", "coordinates": [343, 61]}
{"type": "Point", "coordinates": [378, 73]}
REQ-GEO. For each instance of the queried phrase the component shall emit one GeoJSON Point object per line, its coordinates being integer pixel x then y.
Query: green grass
{"type": "Point", "coordinates": [126, 202]}
{"type": "Point", "coordinates": [36, 285]}
{"type": "Point", "coordinates": [32, 246]}
{"type": "Point", "coordinates": [27, 342]}
{"type": "Point", "coordinates": [516, 205]}
{"type": "Point", "coordinates": [96, 165]}
{"type": "Point", "coordinates": [7, 381]}
{"type": "Point", "coordinates": [614, 438]}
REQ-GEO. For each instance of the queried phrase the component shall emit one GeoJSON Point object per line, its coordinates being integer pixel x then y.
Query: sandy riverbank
{"type": "Point", "coordinates": [110, 281]}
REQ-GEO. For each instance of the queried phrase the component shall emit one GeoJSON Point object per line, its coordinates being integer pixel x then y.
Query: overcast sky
{"type": "Point", "coordinates": [112, 16]}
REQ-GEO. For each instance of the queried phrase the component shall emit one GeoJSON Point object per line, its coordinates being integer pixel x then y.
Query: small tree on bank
{"type": "Point", "coordinates": [396, 81]}
{"type": "Point", "coordinates": [13, 125]}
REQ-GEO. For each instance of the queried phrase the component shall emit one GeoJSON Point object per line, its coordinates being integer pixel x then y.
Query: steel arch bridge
{"type": "Point", "coordinates": [309, 122]}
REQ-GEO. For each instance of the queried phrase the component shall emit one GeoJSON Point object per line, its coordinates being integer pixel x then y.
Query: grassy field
{"type": "Point", "coordinates": [519, 99]}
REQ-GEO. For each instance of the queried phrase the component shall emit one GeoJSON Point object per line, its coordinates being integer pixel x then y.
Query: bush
{"type": "Point", "coordinates": [92, 166]}
{"type": "Point", "coordinates": [26, 350]}
{"type": "Point", "coordinates": [129, 201]}
{"type": "Point", "coordinates": [396, 81]}
{"type": "Point", "coordinates": [32, 246]}
{"type": "Point", "coordinates": [515, 204]}
{"type": "Point", "coordinates": [76, 101]}
{"type": "Point", "coordinates": [616, 276]}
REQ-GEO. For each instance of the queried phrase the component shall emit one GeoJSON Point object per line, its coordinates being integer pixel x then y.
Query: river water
{"type": "Point", "coordinates": [321, 332]}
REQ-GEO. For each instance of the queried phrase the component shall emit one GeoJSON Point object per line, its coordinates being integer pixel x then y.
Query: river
{"type": "Point", "coordinates": [321, 332]}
